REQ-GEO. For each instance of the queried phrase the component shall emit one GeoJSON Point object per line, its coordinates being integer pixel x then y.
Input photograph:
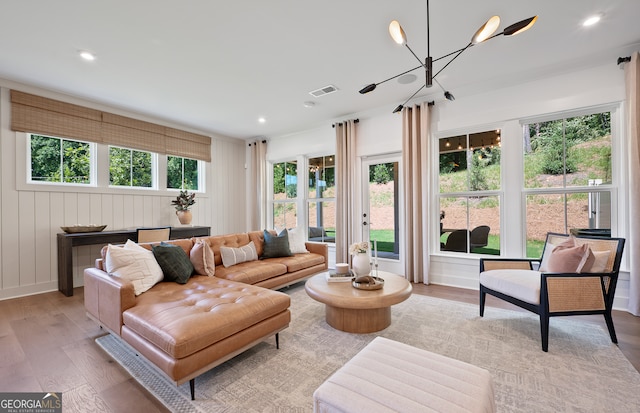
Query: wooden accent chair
{"type": "Point", "coordinates": [550, 294]}
{"type": "Point", "coordinates": [153, 234]}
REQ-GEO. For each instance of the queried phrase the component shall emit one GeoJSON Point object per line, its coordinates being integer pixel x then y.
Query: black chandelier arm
{"type": "Point", "coordinates": [454, 52]}
{"type": "Point", "coordinates": [454, 58]}
{"type": "Point", "coordinates": [399, 108]}
{"type": "Point", "coordinates": [416, 56]}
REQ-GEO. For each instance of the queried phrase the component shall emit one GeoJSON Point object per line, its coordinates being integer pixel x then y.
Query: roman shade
{"type": "Point", "coordinates": [37, 114]}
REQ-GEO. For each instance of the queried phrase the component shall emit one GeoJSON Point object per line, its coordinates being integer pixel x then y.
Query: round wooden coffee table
{"type": "Point", "coordinates": [358, 311]}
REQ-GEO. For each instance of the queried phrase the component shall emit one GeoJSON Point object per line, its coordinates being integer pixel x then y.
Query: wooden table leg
{"type": "Point", "coordinates": [65, 263]}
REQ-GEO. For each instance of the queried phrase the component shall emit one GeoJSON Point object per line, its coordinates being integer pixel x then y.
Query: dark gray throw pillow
{"type": "Point", "coordinates": [176, 265]}
{"type": "Point", "coordinates": [276, 245]}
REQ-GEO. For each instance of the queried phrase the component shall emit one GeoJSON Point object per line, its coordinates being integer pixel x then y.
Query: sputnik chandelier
{"type": "Point", "coordinates": [484, 33]}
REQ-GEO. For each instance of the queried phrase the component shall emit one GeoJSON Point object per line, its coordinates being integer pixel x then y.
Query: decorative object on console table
{"type": "Point", "coordinates": [182, 204]}
{"type": "Point", "coordinates": [360, 263]}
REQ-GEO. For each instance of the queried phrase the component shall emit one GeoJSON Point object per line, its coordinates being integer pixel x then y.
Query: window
{"type": "Point", "coordinates": [182, 173]}
{"type": "Point", "coordinates": [469, 193]}
{"type": "Point", "coordinates": [285, 193]}
{"type": "Point", "coordinates": [321, 199]}
{"type": "Point", "coordinates": [128, 167]}
{"type": "Point", "coordinates": [567, 177]}
{"type": "Point", "coordinates": [59, 160]}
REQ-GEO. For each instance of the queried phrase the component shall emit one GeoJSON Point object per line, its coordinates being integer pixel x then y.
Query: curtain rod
{"type": "Point", "coordinates": [624, 59]}
{"type": "Point", "coordinates": [263, 141]}
{"type": "Point", "coordinates": [339, 123]}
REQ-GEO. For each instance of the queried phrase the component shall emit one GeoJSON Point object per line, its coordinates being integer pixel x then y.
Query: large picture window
{"type": "Point", "coordinates": [321, 199]}
{"type": "Point", "coordinates": [59, 160]}
{"type": "Point", "coordinates": [182, 173]}
{"type": "Point", "coordinates": [567, 177]}
{"type": "Point", "coordinates": [285, 193]}
{"type": "Point", "coordinates": [128, 167]}
{"type": "Point", "coordinates": [469, 180]}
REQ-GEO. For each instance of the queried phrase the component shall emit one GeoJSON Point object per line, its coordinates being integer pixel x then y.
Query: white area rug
{"type": "Point", "coordinates": [582, 372]}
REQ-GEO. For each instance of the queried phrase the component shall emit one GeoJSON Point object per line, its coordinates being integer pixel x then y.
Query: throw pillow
{"type": "Point", "coordinates": [297, 241]}
{"type": "Point", "coordinates": [548, 248]}
{"type": "Point", "coordinates": [134, 263]}
{"type": "Point", "coordinates": [232, 256]}
{"type": "Point", "coordinates": [202, 258]}
{"type": "Point", "coordinates": [570, 258]}
{"type": "Point", "coordinates": [174, 262]}
{"type": "Point", "coordinates": [276, 245]}
{"type": "Point", "coordinates": [600, 262]}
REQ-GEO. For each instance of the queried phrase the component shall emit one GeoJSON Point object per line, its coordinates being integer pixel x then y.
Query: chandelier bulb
{"type": "Point", "coordinates": [486, 30]}
{"type": "Point", "coordinates": [396, 32]}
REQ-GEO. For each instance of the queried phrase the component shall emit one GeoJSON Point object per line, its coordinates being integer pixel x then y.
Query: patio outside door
{"type": "Point", "coordinates": [380, 210]}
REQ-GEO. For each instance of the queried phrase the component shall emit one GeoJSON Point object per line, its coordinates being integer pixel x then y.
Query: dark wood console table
{"type": "Point", "coordinates": [66, 242]}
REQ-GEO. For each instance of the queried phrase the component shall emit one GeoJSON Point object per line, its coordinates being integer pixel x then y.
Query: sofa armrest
{"type": "Point", "coordinates": [321, 249]}
{"type": "Point", "coordinates": [107, 297]}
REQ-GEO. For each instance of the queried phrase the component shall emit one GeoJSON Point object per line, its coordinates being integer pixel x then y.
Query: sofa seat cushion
{"type": "Point", "coordinates": [521, 284]}
{"type": "Point", "coordinates": [299, 262]}
{"type": "Point", "coordinates": [183, 319]}
{"type": "Point", "coordinates": [251, 272]}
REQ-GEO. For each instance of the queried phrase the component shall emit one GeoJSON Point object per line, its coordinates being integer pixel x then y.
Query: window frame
{"type": "Point", "coordinates": [92, 163]}
{"type": "Point", "coordinates": [308, 200]}
{"type": "Point", "coordinates": [154, 169]}
{"type": "Point", "coordinates": [200, 169]}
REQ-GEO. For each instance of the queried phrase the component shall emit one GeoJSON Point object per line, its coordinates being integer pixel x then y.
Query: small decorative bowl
{"type": "Point", "coordinates": [376, 285]}
{"type": "Point", "coordinates": [76, 229]}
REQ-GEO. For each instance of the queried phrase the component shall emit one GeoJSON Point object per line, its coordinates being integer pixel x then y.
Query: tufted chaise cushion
{"type": "Point", "coordinates": [183, 319]}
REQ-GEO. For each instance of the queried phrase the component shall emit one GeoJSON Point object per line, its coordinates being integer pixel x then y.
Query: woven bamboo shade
{"type": "Point", "coordinates": [36, 114]}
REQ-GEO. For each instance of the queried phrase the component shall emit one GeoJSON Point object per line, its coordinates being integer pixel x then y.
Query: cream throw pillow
{"type": "Point", "coordinates": [134, 263]}
{"type": "Point", "coordinates": [202, 258]}
{"type": "Point", "coordinates": [233, 256]}
{"type": "Point", "coordinates": [297, 241]}
{"type": "Point", "coordinates": [600, 262]}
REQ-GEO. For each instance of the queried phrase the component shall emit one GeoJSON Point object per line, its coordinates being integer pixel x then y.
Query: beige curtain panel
{"type": "Point", "coordinates": [346, 221]}
{"type": "Point", "coordinates": [416, 130]}
{"type": "Point", "coordinates": [37, 114]}
{"type": "Point", "coordinates": [258, 184]}
{"type": "Point", "coordinates": [632, 77]}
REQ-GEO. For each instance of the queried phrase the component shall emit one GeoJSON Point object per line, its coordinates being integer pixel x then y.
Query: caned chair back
{"type": "Point", "coordinates": [154, 234]}
{"type": "Point", "coordinates": [613, 245]}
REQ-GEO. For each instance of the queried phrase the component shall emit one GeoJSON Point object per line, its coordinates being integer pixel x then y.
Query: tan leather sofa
{"type": "Point", "coordinates": [187, 329]}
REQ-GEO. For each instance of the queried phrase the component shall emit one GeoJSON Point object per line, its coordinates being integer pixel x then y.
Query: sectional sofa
{"type": "Point", "coordinates": [187, 329]}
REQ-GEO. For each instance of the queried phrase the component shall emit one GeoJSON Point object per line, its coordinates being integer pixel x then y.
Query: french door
{"type": "Point", "coordinates": [381, 211]}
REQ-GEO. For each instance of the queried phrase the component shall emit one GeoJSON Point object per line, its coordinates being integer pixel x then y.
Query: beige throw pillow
{"type": "Point", "coordinates": [134, 263]}
{"type": "Point", "coordinates": [600, 262]}
{"type": "Point", "coordinates": [570, 258]}
{"type": "Point", "coordinates": [202, 258]}
{"type": "Point", "coordinates": [233, 256]}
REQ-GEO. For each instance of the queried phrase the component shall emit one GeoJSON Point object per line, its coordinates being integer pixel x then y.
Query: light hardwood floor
{"type": "Point", "coordinates": [47, 344]}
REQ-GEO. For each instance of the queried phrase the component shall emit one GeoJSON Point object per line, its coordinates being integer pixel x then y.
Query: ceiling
{"type": "Point", "coordinates": [217, 66]}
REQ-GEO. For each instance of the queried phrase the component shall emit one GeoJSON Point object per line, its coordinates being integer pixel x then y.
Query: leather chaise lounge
{"type": "Point", "coordinates": [187, 329]}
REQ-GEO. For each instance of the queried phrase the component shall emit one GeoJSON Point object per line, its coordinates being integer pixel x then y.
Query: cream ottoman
{"type": "Point", "coordinates": [387, 376]}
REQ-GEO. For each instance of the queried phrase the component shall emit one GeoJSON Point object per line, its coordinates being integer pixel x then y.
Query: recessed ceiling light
{"type": "Point", "coordinates": [262, 120]}
{"type": "Point", "coordinates": [308, 104]}
{"type": "Point", "coordinates": [592, 20]}
{"type": "Point", "coordinates": [87, 55]}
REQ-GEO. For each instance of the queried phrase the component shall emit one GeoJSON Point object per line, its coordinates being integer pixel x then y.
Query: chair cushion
{"type": "Point", "coordinates": [521, 284]}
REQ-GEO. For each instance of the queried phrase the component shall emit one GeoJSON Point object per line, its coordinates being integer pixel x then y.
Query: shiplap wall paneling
{"type": "Point", "coordinates": [43, 241]}
{"type": "Point", "coordinates": [26, 237]}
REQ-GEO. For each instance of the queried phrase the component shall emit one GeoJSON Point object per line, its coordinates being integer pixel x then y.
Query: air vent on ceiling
{"type": "Point", "coordinates": [323, 91]}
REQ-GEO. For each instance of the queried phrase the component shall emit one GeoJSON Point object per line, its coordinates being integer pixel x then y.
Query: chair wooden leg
{"type": "Point", "coordinates": [192, 387]}
{"type": "Point", "coordinates": [544, 331]}
{"type": "Point", "coordinates": [483, 298]}
{"type": "Point", "coordinates": [612, 330]}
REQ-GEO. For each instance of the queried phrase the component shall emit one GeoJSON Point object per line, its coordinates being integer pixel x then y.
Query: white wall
{"type": "Point", "coordinates": [31, 215]}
